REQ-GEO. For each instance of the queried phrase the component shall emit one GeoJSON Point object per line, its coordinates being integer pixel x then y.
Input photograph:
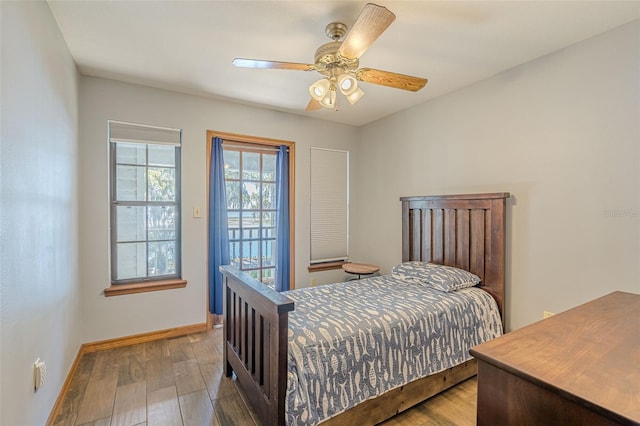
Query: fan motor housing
{"type": "Point", "coordinates": [330, 63]}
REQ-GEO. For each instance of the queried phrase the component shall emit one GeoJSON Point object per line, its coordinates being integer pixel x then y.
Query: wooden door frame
{"type": "Point", "coordinates": [256, 140]}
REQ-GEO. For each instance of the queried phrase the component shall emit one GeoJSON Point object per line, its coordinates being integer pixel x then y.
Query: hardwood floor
{"type": "Point", "coordinates": [179, 381]}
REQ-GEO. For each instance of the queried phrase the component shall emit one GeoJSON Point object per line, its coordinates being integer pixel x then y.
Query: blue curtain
{"type": "Point", "coordinates": [218, 226]}
{"type": "Point", "coordinates": [283, 275]}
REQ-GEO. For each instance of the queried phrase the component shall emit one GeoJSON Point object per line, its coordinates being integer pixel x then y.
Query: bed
{"type": "Point", "coordinates": [464, 231]}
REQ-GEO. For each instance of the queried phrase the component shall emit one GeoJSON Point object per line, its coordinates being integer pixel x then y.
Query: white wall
{"type": "Point", "coordinates": [103, 99]}
{"type": "Point", "coordinates": [40, 294]}
{"type": "Point", "coordinates": [562, 135]}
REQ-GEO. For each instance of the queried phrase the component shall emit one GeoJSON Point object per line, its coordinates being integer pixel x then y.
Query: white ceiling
{"type": "Point", "coordinates": [188, 46]}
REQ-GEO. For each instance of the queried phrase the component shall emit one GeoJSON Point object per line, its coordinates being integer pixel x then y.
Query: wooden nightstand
{"type": "Point", "coordinates": [360, 269]}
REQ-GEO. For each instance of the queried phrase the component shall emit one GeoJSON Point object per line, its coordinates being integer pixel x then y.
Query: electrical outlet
{"type": "Point", "coordinates": [39, 374]}
{"type": "Point", "coordinates": [196, 212]}
{"type": "Point", "coordinates": [314, 282]}
{"type": "Point", "coordinates": [547, 314]}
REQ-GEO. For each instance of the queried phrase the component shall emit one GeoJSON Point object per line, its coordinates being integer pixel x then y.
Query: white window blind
{"type": "Point", "coordinates": [329, 205]}
{"type": "Point", "coordinates": [120, 131]}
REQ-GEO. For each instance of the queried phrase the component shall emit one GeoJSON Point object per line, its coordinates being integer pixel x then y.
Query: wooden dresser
{"type": "Point", "coordinates": [580, 367]}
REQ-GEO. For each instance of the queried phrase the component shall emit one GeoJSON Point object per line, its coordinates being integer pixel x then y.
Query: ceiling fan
{"type": "Point", "coordinates": [338, 61]}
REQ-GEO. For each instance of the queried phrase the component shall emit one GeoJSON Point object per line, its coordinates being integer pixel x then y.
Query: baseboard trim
{"type": "Point", "coordinates": [119, 342]}
{"type": "Point", "coordinates": [65, 388]}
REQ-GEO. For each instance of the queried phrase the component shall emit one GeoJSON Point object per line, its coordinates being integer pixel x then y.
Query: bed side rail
{"type": "Point", "coordinates": [255, 346]}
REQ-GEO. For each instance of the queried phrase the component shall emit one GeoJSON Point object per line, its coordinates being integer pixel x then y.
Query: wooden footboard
{"type": "Point", "coordinates": [255, 346]}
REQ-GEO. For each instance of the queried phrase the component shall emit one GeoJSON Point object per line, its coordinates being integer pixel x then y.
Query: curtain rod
{"type": "Point", "coordinates": [254, 145]}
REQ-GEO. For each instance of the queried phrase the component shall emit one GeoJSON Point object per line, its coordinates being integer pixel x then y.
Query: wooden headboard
{"type": "Point", "coordinates": [465, 231]}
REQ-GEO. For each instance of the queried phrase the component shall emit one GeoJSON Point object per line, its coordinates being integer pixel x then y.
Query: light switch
{"type": "Point", "coordinates": [196, 212]}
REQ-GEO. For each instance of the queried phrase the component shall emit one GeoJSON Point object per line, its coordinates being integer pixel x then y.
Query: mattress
{"type": "Point", "coordinates": [350, 342]}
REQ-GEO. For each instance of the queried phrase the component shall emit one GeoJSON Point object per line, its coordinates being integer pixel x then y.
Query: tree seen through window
{"type": "Point", "coordinates": [250, 178]}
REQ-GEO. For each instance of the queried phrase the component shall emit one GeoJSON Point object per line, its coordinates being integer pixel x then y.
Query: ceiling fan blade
{"type": "Point", "coordinates": [372, 22]}
{"type": "Point", "coordinates": [258, 63]}
{"type": "Point", "coordinates": [313, 105]}
{"type": "Point", "coordinates": [391, 79]}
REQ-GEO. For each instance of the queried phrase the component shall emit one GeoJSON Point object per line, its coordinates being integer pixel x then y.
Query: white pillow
{"type": "Point", "coordinates": [440, 277]}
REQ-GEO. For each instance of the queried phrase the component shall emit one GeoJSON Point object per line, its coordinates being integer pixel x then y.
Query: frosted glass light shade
{"type": "Point", "coordinates": [355, 96]}
{"type": "Point", "coordinates": [319, 89]}
{"type": "Point", "coordinates": [347, 84]}
{"type": "Point", "coordinates": [329, 101]}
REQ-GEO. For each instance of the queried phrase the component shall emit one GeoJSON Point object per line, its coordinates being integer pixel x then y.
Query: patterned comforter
{"type": "Point", "coordinates": [353, 341]}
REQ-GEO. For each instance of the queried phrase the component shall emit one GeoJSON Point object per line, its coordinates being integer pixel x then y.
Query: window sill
{"type": "Point", "coordinates": [122, 289]}
{"type": "Point", "coordinates": [317, 267]}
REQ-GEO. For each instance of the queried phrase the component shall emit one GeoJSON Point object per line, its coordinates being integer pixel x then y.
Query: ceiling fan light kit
{"type": "Point", "coordinates": [338, 61]}
{"type": "Point", "coordinates": [324, 90]}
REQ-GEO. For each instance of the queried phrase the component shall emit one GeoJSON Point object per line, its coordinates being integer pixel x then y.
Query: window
{"type": "Point", "coordinates": [250, 177]}
{"type": "Point", "coordinates": [329, 205]}
{"type": "Point", "coordinates": [145, 203]}
{"type": "Point", "coordinates": [251, 184]}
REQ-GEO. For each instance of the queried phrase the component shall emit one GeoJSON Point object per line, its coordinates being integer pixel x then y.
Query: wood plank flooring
{"type": "Point", "coordinates": [180, 381]}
